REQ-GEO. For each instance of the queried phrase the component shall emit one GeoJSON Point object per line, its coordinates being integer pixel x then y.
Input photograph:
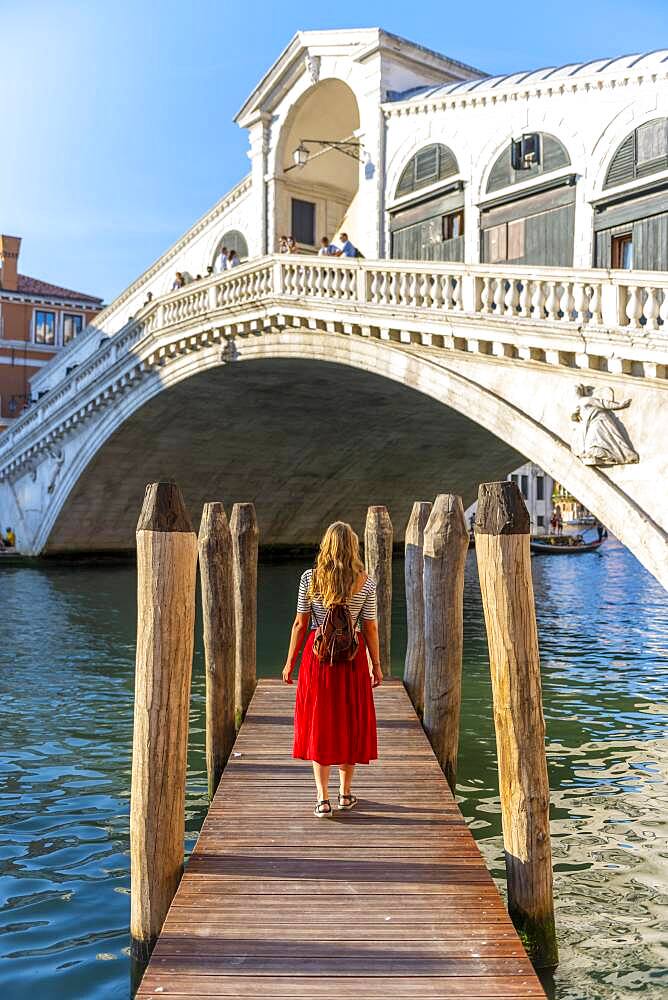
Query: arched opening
{"type": "Point", "coordinates": [317, 198]}
{"type": "Point", "coordinates": [530, 216]}
{"type": "Point", "coordinates": [631, 226]}
{"type": "Point", "coordinates": [427, 220]}
{"type": "Point", "coordinates": [230, 240]}
{"type": "Point", "coordinates": [307, 441]}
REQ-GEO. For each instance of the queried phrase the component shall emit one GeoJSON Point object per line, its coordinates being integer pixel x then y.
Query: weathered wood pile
{"type": "Point", "coordinates": [436, 545]}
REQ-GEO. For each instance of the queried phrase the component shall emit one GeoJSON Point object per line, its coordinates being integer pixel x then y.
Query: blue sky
{"type": "Point", "coordinates": [117, 127]}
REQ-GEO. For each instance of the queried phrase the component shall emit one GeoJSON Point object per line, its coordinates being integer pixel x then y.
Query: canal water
{"type": "Point", "coordinates": [66, 681]}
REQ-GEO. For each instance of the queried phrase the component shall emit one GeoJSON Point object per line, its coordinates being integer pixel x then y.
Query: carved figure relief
{"type": "Point", "coordinates": [602, 437]}
{"type": "Point", "coordinates": [58, 456]}
{"type": "Point", "coordinates": [313, 67]}
{"type": "Point", "coordinates": [230, 351]}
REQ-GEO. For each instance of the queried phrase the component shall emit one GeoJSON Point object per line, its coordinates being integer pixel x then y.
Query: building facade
{"type": "Point", "coordinates": [538, 491]}
{"type": "Point", "coordinates": [37, 319]}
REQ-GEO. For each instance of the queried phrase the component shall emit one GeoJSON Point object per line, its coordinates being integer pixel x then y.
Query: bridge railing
{"type": "Point", "coordinates": [614, 299]}
{"type": "Point", "coordinates": [550, 300]}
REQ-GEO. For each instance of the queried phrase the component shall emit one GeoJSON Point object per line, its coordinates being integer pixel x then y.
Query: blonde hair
{"type": "Point", "coordinates": [337, 567]}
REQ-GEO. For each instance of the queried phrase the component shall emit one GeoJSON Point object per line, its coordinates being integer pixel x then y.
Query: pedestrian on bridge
{"type": "Point", "coordinates": [347, 248]}
{"type": "Point", "coordinates": [335, 718]}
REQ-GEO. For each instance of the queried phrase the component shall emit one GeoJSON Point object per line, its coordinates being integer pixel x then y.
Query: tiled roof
{"type": "Point", "coordinates": [647, 62]}
{"type": "Point", "coordinates": [33, 286]}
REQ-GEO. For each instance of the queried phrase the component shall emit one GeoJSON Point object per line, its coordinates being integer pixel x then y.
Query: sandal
{"type": "Point", "coordinates": [322, 809]}
{"type": "Point", "coordinates": [351, 801]}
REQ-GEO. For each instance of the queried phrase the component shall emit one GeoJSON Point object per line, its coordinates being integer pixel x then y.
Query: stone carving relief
{"type": "Point", "coordinates": [601, 438]}
{"type": "Point", "coordinates": [58, 457]}
{"type": "Point", "coordinates": [230, 351]}
{"type": "Point", "coordinates": [313, 67]}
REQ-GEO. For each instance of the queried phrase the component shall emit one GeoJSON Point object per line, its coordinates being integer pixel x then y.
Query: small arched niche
{"type": "Point", "coordinates": [231, 240]}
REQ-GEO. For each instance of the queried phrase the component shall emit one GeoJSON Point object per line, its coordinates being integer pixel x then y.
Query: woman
{"type": "Point", "coordinates": [335, 720]}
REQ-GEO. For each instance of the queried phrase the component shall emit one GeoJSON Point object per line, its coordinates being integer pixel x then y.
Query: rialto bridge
{"type": "Point", "coordinates": [512, 304]}
{"type": "Point", "coordinates": [317, 386]}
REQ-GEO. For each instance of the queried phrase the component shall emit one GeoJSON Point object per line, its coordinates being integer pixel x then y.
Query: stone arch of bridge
{"type": "Point", "coordinates": [500, 417]}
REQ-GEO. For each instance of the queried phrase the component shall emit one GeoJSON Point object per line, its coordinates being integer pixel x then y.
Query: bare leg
{"type": "Point", "coordinates": [321, 775]}
{"type": "Point", "coordinates": [346, 772]}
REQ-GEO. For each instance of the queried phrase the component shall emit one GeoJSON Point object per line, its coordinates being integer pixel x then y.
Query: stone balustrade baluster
{"type": "Point", "coordinates": [596, 303]}
{"type": "Point", "coordinates": [580, 302]}
{"type": "Point", "coordinates": [394, 289]}
{"type": "Point", "coordinates": [511, 298]}
{"type": "Point", "coordinates": [552, 300]}
{"type": "Point", "coordinates": [663, 310]}
{"type": "Point", "coordinates": [499, 295]}
{"type": "Point", "coordinates": [455, 284]}
{"type": "Point", "coordinates": [567, 302]}
{"type": "Point", "coordinates": [403, 288]}
{"type": "Point", "coordinates": [633, 307]}
{"type": "Point", "coordinates": [651, 309]}
{"type": "Point", "coordinates": [374, 286]}
{"type": "Point", "coordinates": [437, 291]}
{"type": "Point", "coordinates": [423, 290]}
{"type": "Point", "coordinates": [538, 301]}
{"type": "Point", "coordinates": [487, 295]}
{"type": "Point", "coordinates": [412, 289]}
{"type": "Point", "coordinates": [524, 301]}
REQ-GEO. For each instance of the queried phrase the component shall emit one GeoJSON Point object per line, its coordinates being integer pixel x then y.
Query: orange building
{"type": "Point", "coordinates": [37, 319]}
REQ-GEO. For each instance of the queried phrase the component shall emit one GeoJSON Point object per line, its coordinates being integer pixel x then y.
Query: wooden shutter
{"type": "Point", "coordinates": [497, 244]}
{"type": "Point", "coordinates": [516, 239]}
{"type": "Point", "coordinates": [622, 168]}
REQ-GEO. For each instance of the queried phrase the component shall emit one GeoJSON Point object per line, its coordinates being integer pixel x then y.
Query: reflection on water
{"type": "Point", "coordinates": [66, 676]}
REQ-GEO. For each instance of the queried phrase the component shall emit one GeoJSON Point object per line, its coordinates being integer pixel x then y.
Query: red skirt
{"type": "Point", "coordinates": [335, 718]}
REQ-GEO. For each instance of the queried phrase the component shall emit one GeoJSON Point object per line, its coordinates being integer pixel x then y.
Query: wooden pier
{"type": "Point", "coordinates": [392, 899]}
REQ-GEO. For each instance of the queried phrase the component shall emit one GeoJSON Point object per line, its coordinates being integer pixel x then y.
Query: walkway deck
{"type": "Point", "coordinates": [390, 900]}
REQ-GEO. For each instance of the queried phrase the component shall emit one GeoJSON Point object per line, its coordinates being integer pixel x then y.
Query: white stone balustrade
{"type": "Point", "coordinates": [491, 302]}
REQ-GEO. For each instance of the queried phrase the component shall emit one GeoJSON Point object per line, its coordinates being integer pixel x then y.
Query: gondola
{"type": "Point", "coordinates": [559, 545]}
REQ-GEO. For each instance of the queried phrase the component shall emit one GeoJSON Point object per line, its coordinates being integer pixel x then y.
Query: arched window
{"type": "Point", "coordinates": [233, 240]}
{"type": "Point", "coordinates": [551, 156]}
{"type": "Point", "coordinates": [433, 163]}
{"type": "Point", "coordinates": [643, 152]}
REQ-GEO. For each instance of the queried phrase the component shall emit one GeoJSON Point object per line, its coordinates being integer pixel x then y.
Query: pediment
{"type": "Point", "coordinates": [307, 49]}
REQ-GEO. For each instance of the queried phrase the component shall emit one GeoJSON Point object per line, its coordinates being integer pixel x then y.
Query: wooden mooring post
{"type": "Point", "coordinates": [243, 527]}
{"type": "Point", "coordinates": [446, 541]}
{"type": "Point", "coordinates": [413, 576]}
{"type": "Point", "coordinates": [217, 585]}
{"type": "Point", "coordinates": [166, 575]}
{"type": "Point", "coordinates": [378, 536]}
{"type": "Point", "coordinates": [504, 567]}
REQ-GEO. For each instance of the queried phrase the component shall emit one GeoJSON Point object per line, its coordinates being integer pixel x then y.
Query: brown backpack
{"type": "Point", "coordinates": [337, 638]}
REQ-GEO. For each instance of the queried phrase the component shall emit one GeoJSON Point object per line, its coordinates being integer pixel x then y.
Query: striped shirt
{"type": "Point", "coordinates": [361, 605]}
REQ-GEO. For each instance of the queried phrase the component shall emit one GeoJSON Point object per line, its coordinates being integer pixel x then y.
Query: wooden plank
{"type": "Point", "coordinates": [392, 899]}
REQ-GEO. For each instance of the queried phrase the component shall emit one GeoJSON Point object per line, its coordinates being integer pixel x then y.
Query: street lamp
{"type": "Point", "coordinates": [302, 153]}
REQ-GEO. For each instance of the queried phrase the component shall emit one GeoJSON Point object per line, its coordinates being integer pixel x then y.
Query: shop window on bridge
{"type": "Point", "coordinates": [429, 225]}
{"type": "Point", "coordinates": [631, 226]}
{"type": "Point", "coordinates": [536, 224]}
